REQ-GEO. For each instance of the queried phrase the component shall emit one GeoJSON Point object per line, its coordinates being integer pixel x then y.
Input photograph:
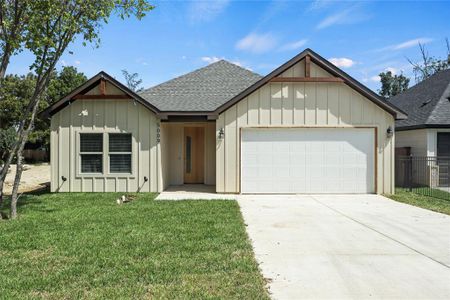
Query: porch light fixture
{"type": "Point", "coordinates": [389, 132]}
{"type": "Point", "coordinates": [221, 133]}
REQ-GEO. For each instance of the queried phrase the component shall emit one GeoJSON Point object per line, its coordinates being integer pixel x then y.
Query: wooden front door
{"type": "Point", "coordinates": [194, 154]}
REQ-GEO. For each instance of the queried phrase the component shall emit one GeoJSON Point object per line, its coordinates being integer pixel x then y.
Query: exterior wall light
{"type": "Point", "coordinates": [389, 132]}
{"type": "Point", "coordinates": [221, 133]}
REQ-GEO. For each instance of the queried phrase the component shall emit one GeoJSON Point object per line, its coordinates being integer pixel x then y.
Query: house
{"type": "Point", "coordinates": [427, 130]}
{"type": "Point", "coordinates": [307, 127]}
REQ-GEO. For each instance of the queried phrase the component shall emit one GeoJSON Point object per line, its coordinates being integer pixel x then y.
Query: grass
{"type": "Point", "coordinates": [71, 246]}
{"type": "Point", "coordinates": [431, 203]}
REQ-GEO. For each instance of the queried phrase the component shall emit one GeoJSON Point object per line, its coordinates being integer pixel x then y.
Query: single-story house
{"type": "Point", "coordinates": [426, 132]}
{"type": "Point", "coordinates": [307, 127]}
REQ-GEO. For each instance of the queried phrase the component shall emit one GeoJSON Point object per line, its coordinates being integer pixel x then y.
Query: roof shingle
{"type": "Point", "coordinates": [427, 103]}
{"type": "Point", "coordinates": [202, 90]}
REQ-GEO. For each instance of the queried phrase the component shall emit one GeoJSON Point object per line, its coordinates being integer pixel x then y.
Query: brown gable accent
{"type": "Point", "coordinates": [306, 79]}
{"type": "Point", "coordinates": [98, 80]}
{"type": "Point", "coordinates": [308, 66]}
{"type": "Point", "coordinates": [309, 56]}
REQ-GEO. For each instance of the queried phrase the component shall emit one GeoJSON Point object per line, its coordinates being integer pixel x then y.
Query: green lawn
{"type": "Point", "coordinates": [431, 203]}
{"type": "Point", "coordinates": [71, 246]}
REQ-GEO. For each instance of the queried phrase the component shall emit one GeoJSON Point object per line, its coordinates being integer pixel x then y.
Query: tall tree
{"type": "Point", "coordinates": [392, 85]}
{"type": "Point", "coordinates": [430, 65]}
{"type": "Point", "coordinates": [13, 25]}
{"type": "Point", "coordinates": [133, 81]}
{"type": "Point", "coordinates": [53, 25]}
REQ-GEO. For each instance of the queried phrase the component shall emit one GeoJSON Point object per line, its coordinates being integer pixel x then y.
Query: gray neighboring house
{"type": "Point", "coordinates": [427, 129]}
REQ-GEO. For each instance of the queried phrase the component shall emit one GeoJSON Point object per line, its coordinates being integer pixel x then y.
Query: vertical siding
{"type": "Point", "coordinates": [416, 139]}
{"type": "Point", "coordinates": [300, 104]}
{"type": "Point", "coordinates": [105, 116]}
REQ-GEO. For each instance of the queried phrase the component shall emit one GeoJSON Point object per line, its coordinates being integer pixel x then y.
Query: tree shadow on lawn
{"type": "Point", "coordinates": [26, 199]}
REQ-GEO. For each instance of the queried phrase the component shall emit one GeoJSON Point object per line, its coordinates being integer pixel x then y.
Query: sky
{"type": "Point", "coordinates": [363, 38]}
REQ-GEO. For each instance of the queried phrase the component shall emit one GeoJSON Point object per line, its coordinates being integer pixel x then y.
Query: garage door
{"type": "Point", "coordinates": [307, 160]}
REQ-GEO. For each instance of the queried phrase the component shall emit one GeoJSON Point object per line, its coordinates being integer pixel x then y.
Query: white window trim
{"type": "Point", "coordinates": [105, 155]}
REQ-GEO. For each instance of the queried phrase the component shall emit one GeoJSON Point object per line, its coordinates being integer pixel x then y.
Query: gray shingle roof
{"type": "Point", "coordinates": [202, 90]}
{"type": "Point", "coordinates": [427, 103]}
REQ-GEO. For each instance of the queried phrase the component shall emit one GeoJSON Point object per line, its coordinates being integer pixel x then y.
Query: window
{"type": "Point", "coordinates": [120, 153]}
{"type": "Point", "coordinates": [91, 152]}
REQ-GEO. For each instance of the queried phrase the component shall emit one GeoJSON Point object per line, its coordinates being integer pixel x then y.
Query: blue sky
{"type": "Point", "coordinates": [363, 38]}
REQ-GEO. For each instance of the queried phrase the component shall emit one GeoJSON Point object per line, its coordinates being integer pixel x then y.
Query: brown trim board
{"type": "Point", "coordinates": [329, 67]}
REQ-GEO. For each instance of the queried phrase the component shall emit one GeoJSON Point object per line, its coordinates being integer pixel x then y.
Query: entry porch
{"type": "Point", "coordinates": [188, 156]}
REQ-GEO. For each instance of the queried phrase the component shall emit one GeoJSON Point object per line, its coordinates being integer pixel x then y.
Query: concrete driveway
{"type": "Point", "coordinates": [348, 247]}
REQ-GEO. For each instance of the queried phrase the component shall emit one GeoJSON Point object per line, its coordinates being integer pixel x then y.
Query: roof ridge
{"type": "Point", "coordinates": [197, 71]}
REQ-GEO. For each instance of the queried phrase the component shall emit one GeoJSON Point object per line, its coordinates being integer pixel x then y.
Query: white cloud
{"type": "Point", "coordinates": [141, 61]}
{"type": "Point", "coordinates": [342, 62]}
{"type": "Point", "coordinates": [411, 43]}
{"type": "Point", "coordinates": [319, 4]}
{"type": "Point", "coordinates": [183, 57]}
{"type": "Point", "coordinates": [407, 44]}
{"type": "Point", "coordinates": [203, 11]}
{"type": "Point", "coordinates": [211, 59]}
{"type": "Point", "coordinates": [294, 45]}
{"type": "Point", "coordinates": [346, 16]}
{"type": "Point", "coordinates": [394, 71]}
{"type": "Point", "coordinates": [375, 78]}
{"type": "Point", "coordinates": [257, 43]}
{"type": "Point", "coordinates": [77, 62]}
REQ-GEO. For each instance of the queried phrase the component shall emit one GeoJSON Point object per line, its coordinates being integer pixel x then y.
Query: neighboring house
{"type": "Point", "coordinates": [427, 129]}
{"type": "Point", "coordinates": [307, 127]}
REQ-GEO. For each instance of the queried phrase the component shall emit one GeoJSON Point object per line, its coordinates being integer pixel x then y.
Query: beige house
{"type": "Point", "coordinates": [307, 127]}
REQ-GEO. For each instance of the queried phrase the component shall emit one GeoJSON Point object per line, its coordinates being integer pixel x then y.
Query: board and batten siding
{"type": "Point", "coordinates": [302, 104]}
{"type": "Point", "coordinates": [121, 116]}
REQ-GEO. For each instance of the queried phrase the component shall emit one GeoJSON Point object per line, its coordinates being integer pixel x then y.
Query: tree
{"type": "Point", "coordinates": [61, 83]}
{"type": "Point", "coordinates": [13, 25]}
{"type": "Point", "coordinates": [17, 90]}
{"type": "Point", "coordinates": [7, 138]}
{"type": "Point", "coordinates": [430, 64]}
{"type": "Point", "coordinates": [133, 81]}
{"type": "Point", "coordinates": [392, 85]}
{"type": "Point", "coordinates": [52, 26]}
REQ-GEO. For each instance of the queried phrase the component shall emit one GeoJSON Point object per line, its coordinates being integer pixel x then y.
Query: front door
{"type": "Point", "coordinates": [194, 158]}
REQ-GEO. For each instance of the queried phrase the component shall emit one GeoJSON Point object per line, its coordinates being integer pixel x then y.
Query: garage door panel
{"type": "Point", "coordinates": [307, 160]}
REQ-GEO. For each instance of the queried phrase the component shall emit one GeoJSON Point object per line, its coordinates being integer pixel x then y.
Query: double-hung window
{"type": "Point", "coordinates": [115, 151]}
{"type": "Point", "coordinates": [91, 152]}
{"type": "Point", "coordinates": [120, 153]}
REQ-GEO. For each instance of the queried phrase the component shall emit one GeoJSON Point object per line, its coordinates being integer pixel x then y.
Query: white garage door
{"type": "Point", "coordinates": [307, 160]}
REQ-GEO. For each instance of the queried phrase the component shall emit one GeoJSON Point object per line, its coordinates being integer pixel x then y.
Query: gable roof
{"type": "Point", "coordinates": [427, 103]}
{"type": "Point", "coordinates": [88, 85]}
{"type": "Point", "coordinates": [211, 90]}
{"type": "Point", "coordinates": [330, 68]}
{"type": "Point", "coordinates": [202, 90]}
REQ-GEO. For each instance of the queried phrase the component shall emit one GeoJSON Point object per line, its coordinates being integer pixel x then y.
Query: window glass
{"type": "Point", "coordinates": [119, 142]}
{"type": "Point", "coordinates": [91, 152]}
{"type": "Point", "coordinates": [120, 153]}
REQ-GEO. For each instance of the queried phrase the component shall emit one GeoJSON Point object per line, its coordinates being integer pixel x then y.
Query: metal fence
{"type": "Point", "coordinates": [425, 175]}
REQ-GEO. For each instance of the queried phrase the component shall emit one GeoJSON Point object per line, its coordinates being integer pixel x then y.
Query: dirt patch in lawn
{"type": "Point", "coordinates": [34, 177]}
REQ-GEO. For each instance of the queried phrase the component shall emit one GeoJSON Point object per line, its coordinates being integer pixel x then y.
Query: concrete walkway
{"type": "Point", "coordinates": [348, 247]}
{"type": "Point", "coordinates": [193, 192]}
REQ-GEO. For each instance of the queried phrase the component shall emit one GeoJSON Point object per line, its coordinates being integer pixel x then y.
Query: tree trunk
{"type": "Point", "coordinates": [14, 194]}
{"type": "Point", "coordinates": [4, 62]}
{"type": "Point", "coordinates": [6, 165]}
{"type": "Point", "coordinates": [23, 137]}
